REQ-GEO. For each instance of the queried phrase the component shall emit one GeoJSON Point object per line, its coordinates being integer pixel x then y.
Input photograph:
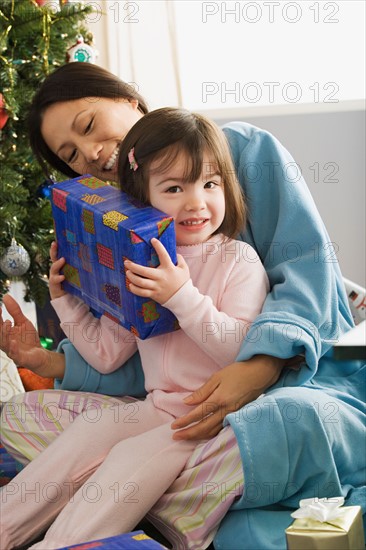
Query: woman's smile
{"type": "Point", "coordinates": [110, 164]}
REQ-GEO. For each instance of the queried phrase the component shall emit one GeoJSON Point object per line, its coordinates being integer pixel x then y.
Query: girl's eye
{"type": "Point", "coordinates": [174, 189]}
{"type": "Point", "coordinates": [211, 184]}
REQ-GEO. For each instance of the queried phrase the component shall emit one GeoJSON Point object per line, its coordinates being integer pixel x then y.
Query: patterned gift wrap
{"type": "Point", "coordinates": [137, 540]}
{"type": "Point", "coordinates": [97, 228]}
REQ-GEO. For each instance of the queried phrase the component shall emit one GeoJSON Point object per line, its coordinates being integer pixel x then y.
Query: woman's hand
{"type": "Point", "coordinates": [226, 391]}
{"type": "Point", "coordinates": [20, 342]}
{"type": "Point", "coordinates": [56, 278]}
{"type": "Point", "coordinates": [158, 283]}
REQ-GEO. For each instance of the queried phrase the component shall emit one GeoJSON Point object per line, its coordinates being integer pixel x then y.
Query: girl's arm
{"type": "Point", "coordinates": [103, 344]}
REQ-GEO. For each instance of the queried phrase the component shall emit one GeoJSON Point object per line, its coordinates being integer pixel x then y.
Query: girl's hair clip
{"type": "Point", "coordinates": [132, 160]}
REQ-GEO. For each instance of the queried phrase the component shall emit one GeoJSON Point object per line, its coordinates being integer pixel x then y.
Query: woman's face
{"type": "Point", "coordinates": [86, 133]}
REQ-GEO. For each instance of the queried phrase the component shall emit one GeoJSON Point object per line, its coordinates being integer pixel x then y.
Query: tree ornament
{"type": "Point", "coordinates": [3, 114]}
{"type": "Point", "coordinates": [81, 52]}
{"type": "Point", "coordinates": [44, 190]}
{"type": "Point", "coordinates": [52, 4]}
{"type": "Point", "coordinates": [68, 2]}
{"type": "Point", "coordinates": [15, 261]}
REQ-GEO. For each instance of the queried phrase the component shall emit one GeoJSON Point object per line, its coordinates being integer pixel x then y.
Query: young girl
{"type": "Point", "coordinates": [180, 163]}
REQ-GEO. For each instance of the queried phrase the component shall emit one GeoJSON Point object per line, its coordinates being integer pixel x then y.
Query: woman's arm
{"type": "Point", "coordinates": [80, 376]}
{"type": "Point", "coordinates": [307, 308]}
{"type": "Point", "coordinates": [226, 391]}
{"type": "Point", "coordinates": [20, 341]}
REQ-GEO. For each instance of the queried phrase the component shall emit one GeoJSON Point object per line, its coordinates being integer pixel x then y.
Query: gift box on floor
{"type": "Point", "coordinates": [137, 540]}
{"type": "Point", "coordinates": [97, 228]}
{"type": "Point", "coordinates": [338, 528]}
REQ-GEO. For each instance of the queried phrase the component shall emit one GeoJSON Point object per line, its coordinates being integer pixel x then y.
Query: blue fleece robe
{"type": "Point", "coordinates": [306, 436]}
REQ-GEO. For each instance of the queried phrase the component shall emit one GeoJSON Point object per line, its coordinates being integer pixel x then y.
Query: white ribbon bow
{"type": "Point", "coordinates": [320, 509]}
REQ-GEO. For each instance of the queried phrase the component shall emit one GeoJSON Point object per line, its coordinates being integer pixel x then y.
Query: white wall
{"type": "Point", "coordinates": [330, 149]}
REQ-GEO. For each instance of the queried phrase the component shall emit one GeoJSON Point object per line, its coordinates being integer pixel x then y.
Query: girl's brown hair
{"type": "Point", "coordinates": [164, 134]}
{"type": "Point", "coordinates": [72, 81]}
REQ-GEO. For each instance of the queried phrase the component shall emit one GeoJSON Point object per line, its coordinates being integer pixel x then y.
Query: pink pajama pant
{"type": "Point", "coordinates": [187, 514]}
{"type": "Point", "coordinates": [97, 479]}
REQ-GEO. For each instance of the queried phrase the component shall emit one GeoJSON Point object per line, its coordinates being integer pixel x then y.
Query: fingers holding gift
{"type": "Point", "coordinates": [158, 283]}
{"type": "Point", "coordinates": [139, 284]}
{"type": "Point", "coordinates": [162, 253]}
{"type": "Point", "coordinates": [55, 277]}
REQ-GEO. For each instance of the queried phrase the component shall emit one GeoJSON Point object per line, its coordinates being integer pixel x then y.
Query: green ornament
{"type": "Point", "coordinates": [46, 343]}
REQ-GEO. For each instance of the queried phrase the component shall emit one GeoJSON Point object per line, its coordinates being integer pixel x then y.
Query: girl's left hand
{"type": "Point", "coordinates": [158, 283]}
{"type": "Point", "coordinates": [56, 278]}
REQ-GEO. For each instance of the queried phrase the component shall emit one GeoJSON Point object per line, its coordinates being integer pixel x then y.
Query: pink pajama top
{"type": "Point", "coordinates": [214, 308]}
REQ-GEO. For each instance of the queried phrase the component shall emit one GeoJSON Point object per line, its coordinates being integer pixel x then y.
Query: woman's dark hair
{"type": "Point", "coordinates": [72, 81]}
{"type": "Point", "coordinates": [164, 134]}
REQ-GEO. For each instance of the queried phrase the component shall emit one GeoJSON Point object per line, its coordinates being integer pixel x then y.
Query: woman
{"type": "Point", "coordinates": [303, 315]}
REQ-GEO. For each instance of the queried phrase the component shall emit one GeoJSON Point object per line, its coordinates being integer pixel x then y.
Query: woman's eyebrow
{"type": "Point", "coordinates": [73, 128]}
{"type": "Point", "coordinates": [76, 117]}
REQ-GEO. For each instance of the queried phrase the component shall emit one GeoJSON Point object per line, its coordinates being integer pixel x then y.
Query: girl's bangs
{"type": "Point", "coordinates": [193, 160]}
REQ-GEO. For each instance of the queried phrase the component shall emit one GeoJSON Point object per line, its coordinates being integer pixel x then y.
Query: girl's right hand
{"type": "Point", "coordinates": [56, 278]}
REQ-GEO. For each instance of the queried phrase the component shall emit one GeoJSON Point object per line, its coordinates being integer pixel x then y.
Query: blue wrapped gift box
{"type": "Point", "coordinates": [98, 227]}
{"type": "Point", "coordinates": [137, 540]}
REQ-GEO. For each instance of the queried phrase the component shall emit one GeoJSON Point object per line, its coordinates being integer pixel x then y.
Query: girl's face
{"type": "Point", "coordinates": [198, 208]}
{"type": "Point", "coordinates": [86, 133]}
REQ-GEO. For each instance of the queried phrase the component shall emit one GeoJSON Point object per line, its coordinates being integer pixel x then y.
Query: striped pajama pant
{"type": "Point", "coordinates": [188, 513]}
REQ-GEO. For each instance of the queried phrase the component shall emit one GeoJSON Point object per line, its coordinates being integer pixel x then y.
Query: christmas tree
{"type": "Point", "coordinates": [34, 38]}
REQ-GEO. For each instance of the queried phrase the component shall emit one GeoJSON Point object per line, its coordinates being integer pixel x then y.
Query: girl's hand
{"type": "Point", "coordinates": [20, 341]}
{"type": "Point", "coordinates": [226, 391]}
{"type": "Point", "coordinates": [158, 283]}
{"type": "Point", "coordinates": [56, 278]}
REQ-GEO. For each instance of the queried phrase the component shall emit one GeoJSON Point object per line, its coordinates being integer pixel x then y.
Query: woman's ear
{"type": "Point", "coordinates": [135, 103]}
